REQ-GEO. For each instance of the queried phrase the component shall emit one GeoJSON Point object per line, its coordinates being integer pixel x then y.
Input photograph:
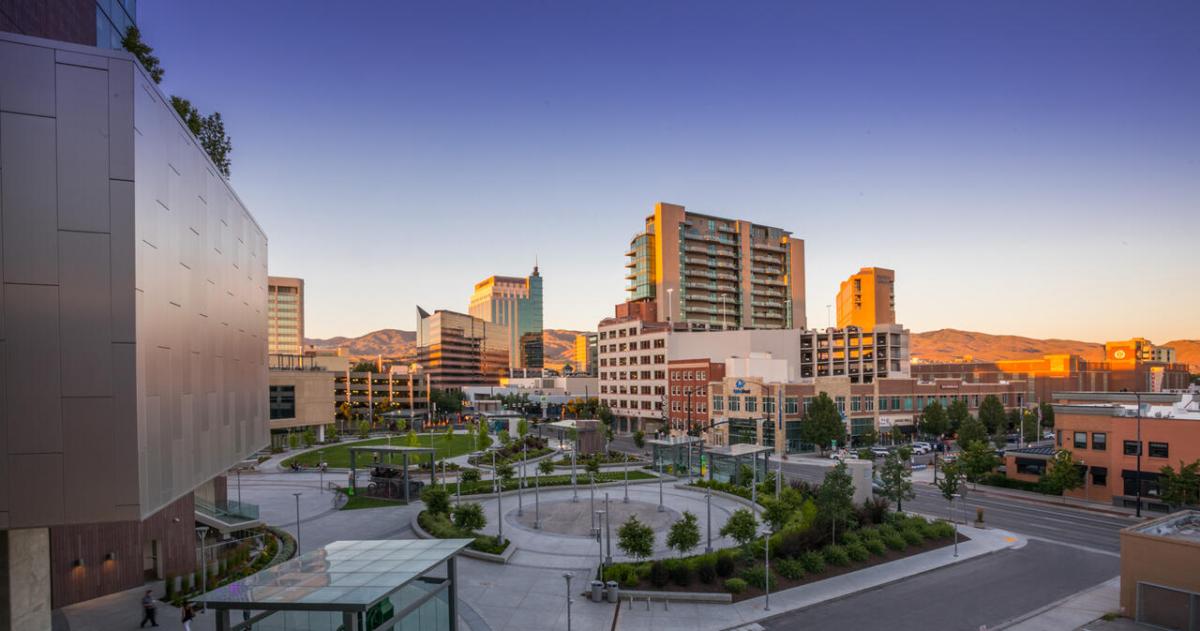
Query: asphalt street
{"type": "Point", "coordinates": [985, 591]}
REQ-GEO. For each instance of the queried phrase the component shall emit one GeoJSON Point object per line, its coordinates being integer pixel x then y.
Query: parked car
{"type": "Point", "coordinates": [920, 448]}
{"type": "Point", "coordinates": [1048, 436]}
{"type": "Point", "coordinates": [880, 452]}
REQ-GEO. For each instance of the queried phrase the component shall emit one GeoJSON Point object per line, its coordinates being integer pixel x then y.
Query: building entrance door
{"type": "Point", "coordinates": [150, 560]}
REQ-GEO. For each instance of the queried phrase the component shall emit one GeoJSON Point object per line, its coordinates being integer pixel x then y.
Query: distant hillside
{"type": "Point", "coordinates": [941, 345]}
{"type": "Point", "coordinates": [386, 342]}
{"type": "Point", "coordinates": [953, 344]}
{"type": "Point", "coordinates": [559, 344]}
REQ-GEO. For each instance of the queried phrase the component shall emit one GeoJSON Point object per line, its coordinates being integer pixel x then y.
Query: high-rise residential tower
{"type": "Point", "coordinates": [285, 316]}
{"type": "Point", "coordinates": [515, 303]}
{"type": "Point", "coordinates": [716, 272]}
{"type": "Point", "coordinates": [867, 299]}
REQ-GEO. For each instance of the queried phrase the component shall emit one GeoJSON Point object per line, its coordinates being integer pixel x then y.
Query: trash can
{"type": "Point", "coordinates": [614, 591]}
{"type": "Point", "coordinates": [597, 591]}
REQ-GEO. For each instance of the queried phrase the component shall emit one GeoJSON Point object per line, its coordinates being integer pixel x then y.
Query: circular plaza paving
{"type": "Point", "coordinates": [565, 540]}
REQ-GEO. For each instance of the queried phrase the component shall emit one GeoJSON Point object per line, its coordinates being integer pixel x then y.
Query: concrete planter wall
{"type": "Point", "coordinates": [503, 557]}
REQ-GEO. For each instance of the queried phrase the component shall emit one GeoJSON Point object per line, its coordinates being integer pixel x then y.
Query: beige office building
{"type": "Point", "coordinates": [715, 272]}
{"type": "Point", "coordinates": [456, 350]}
{"type": "Point", "coordinates": [285, 316]}
{"type": "Point", "coordinates": [866, 299]}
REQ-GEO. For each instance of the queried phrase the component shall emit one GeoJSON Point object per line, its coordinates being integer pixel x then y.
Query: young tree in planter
{"type": "Point", "coordinates": [546, 466]}
{"type": "Point", "coordinates": [437, 500]}
{"type": "Point", "coordinates": [132, 42]}
{"type": "Point", "coordinates": [684, 534]}
{"type": "Point", "coordinates": [950, 482]}
{"type": "Point", "coordinates": [505, 471]}
{"type": "Point", "coordinates": [505, 439]}
{"type": "Point", "coordinates": [822, 423]}
{"type": "Point", "coordinates": [481, 435]}
{"type": "Point", "coordinates": [933, 420]}
{"type": "Point", "coordinates": [896, 478]}
{"type": "Point", "coordinates": [976, 461]}
{"type": "Point", "coordinates": [469, 475]}
{"type": "Point", "coordinates": [1047, 411]}
{"type": "Point", "coordinates": [364, 429]}
{"type": "Point", "coordinates": [1062, 474]}
{"type": "Point", "coordinates": [469, 517]}
{"type": "Point", "coordinates": [741, 527]}
{"type": "Point", "coordinates": [991, 413]}
{"type": "Point", "coordinates": [593, 466]}
{"type": "Point", "coordinates": [635, 538]}
{"type": "Point", "coordinates": [413, 441]}
{"type": "Point", "coordinates": [835, 498]}
{"type": "Point", "coordinates": [639, 439]}
{"type": "Point", "coordinates": [522, 428]}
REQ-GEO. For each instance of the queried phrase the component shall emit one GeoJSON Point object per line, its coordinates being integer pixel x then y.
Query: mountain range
{"type": "Point", "coordinates": [940, 345]}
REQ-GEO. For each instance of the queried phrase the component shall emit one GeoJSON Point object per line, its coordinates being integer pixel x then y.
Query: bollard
{"type": "Point", "coordinates": [647, 603]}
{"type": "Point", "coordinates": [631, 603]}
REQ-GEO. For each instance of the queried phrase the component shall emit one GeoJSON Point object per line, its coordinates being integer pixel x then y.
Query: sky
{"type": "Point", "coordinates": [1027, 168]}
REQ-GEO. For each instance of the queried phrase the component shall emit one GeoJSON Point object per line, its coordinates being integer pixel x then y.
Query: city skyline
{"type": "Point", "coordinates": [997, 166]}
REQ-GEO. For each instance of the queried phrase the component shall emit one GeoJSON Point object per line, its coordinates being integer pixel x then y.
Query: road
{"type": "Point", "coordinates": [985, 591]}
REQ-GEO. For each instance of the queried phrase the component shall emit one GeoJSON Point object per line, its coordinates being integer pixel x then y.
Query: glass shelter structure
{"type": "Point", "coordinates": [678, 455]}
{"type": "Point", "coordinates": [348, 586]}
{"type": "Point", "coordinates": [724, 464]}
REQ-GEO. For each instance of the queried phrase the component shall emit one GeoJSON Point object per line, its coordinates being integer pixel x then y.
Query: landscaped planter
{"type": "Point", "coordinates": [503, 557]}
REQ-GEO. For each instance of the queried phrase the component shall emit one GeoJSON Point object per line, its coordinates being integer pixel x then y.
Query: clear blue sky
{"type": "Point", "coordinates": [1029, 168]}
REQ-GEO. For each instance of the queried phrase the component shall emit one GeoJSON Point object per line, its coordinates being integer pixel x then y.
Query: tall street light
{"type": "Point", "coordinates": [202, 533]}
{"type": "Point", "coordinates": [297, 496]}
{"type": "Point", "coordinates": [567, 575]}
{"type": "Point", "coordinates": [708, 522]}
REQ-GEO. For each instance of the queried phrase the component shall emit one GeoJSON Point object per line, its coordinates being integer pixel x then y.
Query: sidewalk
{"type": "Point", "coordinates": [694, 616]}
{"type": "Point", "coordinates": [1073, 612]}
{"type": "Point", "coordinates": [1037, 498]}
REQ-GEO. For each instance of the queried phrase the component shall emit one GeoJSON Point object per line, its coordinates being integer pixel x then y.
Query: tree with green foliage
{"type": "Point", "coordinates": [992, 415]}
{"type": "Point", "coordinates": [835, 498]}
{"type": "Point", "coordinates": [505, 438]}
{"type": "Point", "coordinates": [592, 465]}
{"type": "Point", "coordinates": [522, 428]}
{"type": "Point", "coordinates": [742, 527]}
{"type": "Point", "coordinates": [977, 460]}
{"type": "Point", "coordinates": [933, 420]}
{"type": "Point", "coordinates": [365, 367]}
{"type": "Point", "coordinates": [437, 499]}
{"type": "Point", "coordinates": [896, 478]}
{"type": "Point", "coordinates": [546, 466]}
{"type": "Point", "coordinates": [950, 482]}
{"type": "Point", "coordinates": [869, 438]}
{"type": "Point", "coordinates": [505, 471]}
{"type": "Point", "coordinates": [777, 513]}
{"type": "Point", "coordinates": [209, 131]}
{"type": "Point", "coordinates": [635, 538]}
{"type": "Point", "coordinates": [469, 517]}
{"type": "Point", "coordinates": [412, 439]}
{"type": "Point", "coordinates": [469, 475]}
{"type": "Point", "coordinates": [822, 423]}
{"type": "Point", "coordinates": [972, 431]}
{"type": "Point", "coordinates": [1181, 488]}
{"type": "Point", "coordinates": [449, 433]}
{"type": "Point", "coordinates": [1029, 426]}
{"type": "Point", "coordinates": [132, 42]}
{"type": "Point", "coordinates": [1047, 412]}
{"type": "Point", "coordinates": [346, 411]}
{"type": "Point", "coordinates": [1062, 473]}
{"type": "Point", "coordinates": [956, 414]}
{"type": "Point", "coordinates": [364, 429]}
{"type": "Point", "coordinates": [639, 439]}
{"type": "Point", "coordinates": [331, 433]}
{"type": "Point", "coordinates": [310, 437]}
{"type": "Point", "coordinates": [684, 534]}
{"type": "Point", "coordinates": [481, 435]}
{"type": "Point", "coordinates": [1013, 421]}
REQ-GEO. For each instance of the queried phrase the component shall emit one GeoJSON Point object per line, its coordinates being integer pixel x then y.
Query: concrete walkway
{"type": "Point", "coordinates": [1077, 611]}
{"type": "Point", "coordinates": [695, 616]}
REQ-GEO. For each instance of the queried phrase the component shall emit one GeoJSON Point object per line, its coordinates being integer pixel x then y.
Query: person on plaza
{"type": "Point", "coordinates": [188, 615]}
{"type": "Point", "coordinates": [148, 610]}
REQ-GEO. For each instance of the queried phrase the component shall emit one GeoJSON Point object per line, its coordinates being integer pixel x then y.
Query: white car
{"type": "Point", "coordinates": [921, 448]}
{"type": "Point", "coordinates": [880, 452]}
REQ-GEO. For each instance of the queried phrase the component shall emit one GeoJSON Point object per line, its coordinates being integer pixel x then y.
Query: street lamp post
{"type": "Point", "coordinates": [567, 575]}
{"type": "Point", "coordinates": [499, 502]}
{"type": "Point", "coordinates": [607, 531]}
{"type": "Point", "coordinates": [767, 578]}
{"type": "Point", "coordinates": [660, 486]}
{"type": "Point", "coordinates": [574, 490]}
{"type": "Point", "coordinates": [297, 496]}
{"type": "Point", "coordinates": [537, 513]}
{"type": "Point", "coordinates": [239, 483]}
{"type": "Point", "coordinates": [708, 522]}
{"type": "Point", "coordinates": [955, 522]}
{"type": "Point", "coordinates": [626, 500]}
{"type": "Point", "coordinates": [592, 491]}
{"type": "Point", "coordinates": [599, 516]}
{"type": "Point", "coordinates": [521, 482]}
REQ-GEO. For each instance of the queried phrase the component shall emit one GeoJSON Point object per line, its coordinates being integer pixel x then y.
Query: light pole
{"type": "Point", "coordinates": [537, 513]}
{"type": "Point", "coordinates": [297, 496]}
{"type": "Point", "coordinates": [592, 491]}
{"type": "Point", "coordinates": [607, 531]}
{"type": "Point", "coordinates": [202, 533]}
{"type": "Point", "coordinates": [521, 482]}
{"type": "Point", "coordinates": [708, 522]}
{"type": "Point", "coordinates": [320, 474]}
{"type": "Point", "coordinates": [660, 487]}
{"type": "Point", "coordinates": [600, 543]}
{"type": "Point", "coordinates": [574, 489]}
{"type": "Point", "coordinates": [567, 575]}
{"type": "Point", "coordinates": [767, 578]}
{"type": "Point", "coordinates": [499, 502]}
{"type": "Point", "coordinates": [955, 522]}
{"type": "Point", "coordinates": [626, 500]}
{"type": "Point", "coordinates": [239, 483]}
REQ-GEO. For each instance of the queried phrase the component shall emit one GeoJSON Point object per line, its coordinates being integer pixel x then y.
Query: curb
{"type": "Point", "coordinates": [729, 496]}
{"type": "Point", "coordinates": [993, 492]}
{"type": "Point", "coordinates": [720, 598]}
{"type": "Point", "coordinates": [501, 558]}
{"type": "Point", "coordinates": [556, 487]}
{"type": "Point", "coordinates": [1041, 610]}
{"type": "Point", "coordinates": [867, 589]}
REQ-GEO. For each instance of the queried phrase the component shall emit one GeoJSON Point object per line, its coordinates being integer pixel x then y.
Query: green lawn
{"type": "Point", "coordinates": [339, 455]}
{"type": "Point", "coordinates": [356, 502]}
{"type": "Point", "coordinates": [483, 487]}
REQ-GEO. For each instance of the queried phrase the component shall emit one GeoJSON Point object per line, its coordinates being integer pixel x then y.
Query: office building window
{"type": "Point", "coordinates": [1159, 450]}
{"type": "Point", "coordinates": [769, 405]}
{"type": "Point", "coordinates": [791, 405]}
{"type": "Point", "coordinates": [718, 403]}
{"type": "Point", "coordinates": [1099, 476]}
{"type": "Point", "coordinates": [751, 404]}
{"type": "Point", "coordinates": [883, 404]}
{"type": "Point", "coordinates": [1131, 448]}
{"type": "Point", "coordinates": [841, 403]}
{"type": "Point", "coordinates": [1099, 441]}
{"type": "Point", "coordinates": [735, 404]}
{"type": "Point", "coordinates": [283, 402]}
{"type": "Point", "coordinates": [1081, 440]}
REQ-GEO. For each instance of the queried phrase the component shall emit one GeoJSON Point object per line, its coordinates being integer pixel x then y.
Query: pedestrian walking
{"type": "Point", "coordinates": [148, 610]}
{"type": "Point", "coordinates": [188, 615]}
